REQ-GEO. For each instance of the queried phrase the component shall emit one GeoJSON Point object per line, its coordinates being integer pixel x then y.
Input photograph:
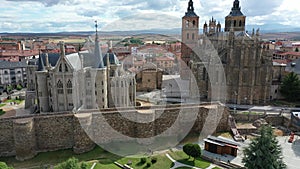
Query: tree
{"type": "Point", "coordinates": [264, 151]}
{"type": "Point", "coordinates": [193, 150]}
{"type": "Point", "coordinates": [290, 87]}
{"type": "Point", "coordinates": [4, 166]}
{"type": "Point", "coordinates": [71, 163]}
{"type": "Point", "coordinates": [296, 50]}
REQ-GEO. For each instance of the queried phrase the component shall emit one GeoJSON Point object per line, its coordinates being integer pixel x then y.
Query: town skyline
{"type": "Point", "coordinates": [68, 16]}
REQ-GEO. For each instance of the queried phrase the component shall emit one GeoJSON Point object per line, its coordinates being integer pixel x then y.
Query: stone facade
{"type": "Point", "coordinates": [232, 59]}
{"type": "Point", "coordinates": [149, 78]}
{"type": "Point", "coordinates": [25, 137]}
{"type": "Point", "coordinates": [77, 81]}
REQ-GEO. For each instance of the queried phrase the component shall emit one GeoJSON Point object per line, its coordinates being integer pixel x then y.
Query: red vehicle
{"type": "Point", "coordinates": [291, 139]}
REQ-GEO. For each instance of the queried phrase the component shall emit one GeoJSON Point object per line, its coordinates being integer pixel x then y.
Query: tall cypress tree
{"type": "Point", "coordinates": [264, 152]}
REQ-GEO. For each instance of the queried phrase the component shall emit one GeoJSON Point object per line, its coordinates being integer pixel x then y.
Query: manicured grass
{"type": "Point", "coordinates": [181, 157]}
{"type": "Point", "coordinates": [56, 157]}
{"type": "Point", "coordinates": [13, 100]}
{"type": "Point", "coordinates": [216, 168]}
{"type": "Point", "coordinates": [162, 162]}
{"type": "Point", "coordinates": [252, 113]}
{"type": "Point", "coordinates": [104, 160]}
{"type": "Point", "coordinates": [183, 168]}
{"type": "Point", "coordinates": [1, 105]}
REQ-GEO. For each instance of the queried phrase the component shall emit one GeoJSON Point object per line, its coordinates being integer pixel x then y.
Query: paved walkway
{"type": "Point", "coordinates": [178, 164]}
{"type": "Point", "coordinates": [14, 110]}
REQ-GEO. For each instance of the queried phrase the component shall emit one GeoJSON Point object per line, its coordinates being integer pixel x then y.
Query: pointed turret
{"type": "Point", "coordinates": [62, 49]}
{"type": "Point", "coordinates": [41, 66]}
{"type": "Point", "coordinates": [97, 51]}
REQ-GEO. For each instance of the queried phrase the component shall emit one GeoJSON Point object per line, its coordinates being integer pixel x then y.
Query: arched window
{"type": "Point", "coordinates": [60, 86]}
{"type": "Point", "coordinates": [69, 84]}
{"type": "Point", "coordinates": [66, 68]}
{"type": "Point", "coordinates": [187, 36]}
{"type": "Point", "coordinates": [194, 23]}
{"type": "Point", "coordinates": [186, 24]}
{"type": "Point", "coordinates": [69, 87]}
{"type": "Point", "coordinates": [240, 24]}
{"type": "Point", "coordinates": [234, 23]}
{"type": "Point", "coordinates": [193, 36]}
{"type": "Point", "coordinates": [60, 68]}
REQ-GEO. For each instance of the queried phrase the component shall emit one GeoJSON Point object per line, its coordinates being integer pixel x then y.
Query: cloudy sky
{"type": "Point", "coordinates": [79, 15]}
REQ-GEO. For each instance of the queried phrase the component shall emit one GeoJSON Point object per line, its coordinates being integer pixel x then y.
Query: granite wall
{"type": "Point", "coordinates": [24, 137]}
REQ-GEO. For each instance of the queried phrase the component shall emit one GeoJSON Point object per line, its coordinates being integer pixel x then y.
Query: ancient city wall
{"type": "Point", "coordinates": [25, 137]}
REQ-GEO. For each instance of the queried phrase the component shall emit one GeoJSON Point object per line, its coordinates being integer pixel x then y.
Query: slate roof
{"type": "Point", "coordinates": [113, 60]}
{"type": "Point", "coordinates": [9, 65]}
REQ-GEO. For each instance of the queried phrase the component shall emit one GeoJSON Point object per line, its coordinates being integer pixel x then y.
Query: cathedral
{"type": "Point", "coordinates": [79, 81]}
{"type": "Point", "coordinates": [230, 66]}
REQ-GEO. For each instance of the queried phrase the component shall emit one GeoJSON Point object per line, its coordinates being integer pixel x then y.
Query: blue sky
{"type": "Point", "coordinates": [79, 15]}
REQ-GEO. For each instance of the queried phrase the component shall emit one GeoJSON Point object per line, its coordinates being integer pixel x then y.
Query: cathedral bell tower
{"type": "Point", "coordinates": [236, 19]}
{"type": "Point", "coordinates": [189, 37]}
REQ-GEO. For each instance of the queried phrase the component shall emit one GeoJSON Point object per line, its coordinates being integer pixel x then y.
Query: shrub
{"type": "Point", "coordinates": [4, 166]}
{"type": "Point", "coordinates": [143, 160]}
{"type": "Point", "coordinates": [19, 87]}
{"type": "Point", "coordinates": [153, 160]}
{"type": "Point", "coordinates": [148, 164]}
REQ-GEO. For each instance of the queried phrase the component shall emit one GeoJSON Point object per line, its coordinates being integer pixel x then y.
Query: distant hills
{"type": "Point", "coordinates": [270, 28]}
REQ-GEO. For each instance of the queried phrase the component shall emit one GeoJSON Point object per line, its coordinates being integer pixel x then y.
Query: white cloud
{"type": "Point", "coordinates": [75, 15]}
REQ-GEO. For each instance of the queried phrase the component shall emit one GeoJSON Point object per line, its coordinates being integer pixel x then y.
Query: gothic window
{"type": "Point", "coordinates": [187, 36]}
{"type": "Point", "coordinates": [69, 86]}
{"type": "Point", "coordinates": [66, 68]}
{"type": "Point", "coordinates": [240, 24]}
{"type": "Point", "coordinates": [59, 86]}
{"type": "Point", "coordinates": [60, 68]}
{"type": "Point", "coordinates": [204, 74]}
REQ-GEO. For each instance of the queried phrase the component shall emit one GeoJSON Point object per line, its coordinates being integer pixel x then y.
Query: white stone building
{"type": "Point", "coordinates": [83, 80]}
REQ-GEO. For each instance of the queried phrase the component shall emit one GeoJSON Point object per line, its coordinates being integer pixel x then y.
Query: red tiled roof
{"type": "Point", "coordinates": [164, 59]}
{"type": "Point", "coordinates": [281, 61]}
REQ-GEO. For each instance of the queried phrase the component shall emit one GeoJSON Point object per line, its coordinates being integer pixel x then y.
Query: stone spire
{"type": "Point", "coordinates": [62, 49]}
{"type": "Point", "coordinates": [97, 51]}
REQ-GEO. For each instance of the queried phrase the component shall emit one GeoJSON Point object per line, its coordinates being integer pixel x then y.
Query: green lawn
{"type": "Point", "coordinates": [1, 105]}
{"type": "Point", "coordinates": [184, 168]}
{"type": "Point", "coordinates": [53, 158]}
{"type": "Point", "coordinates": [216, 168]}
{"type": "Point", "coordinates": [13, 100]}
{"type": "Point", "coordinates": [181, 157]}
{"type": "Point", "coordinates": [104, 160]}
{"type": "Point", "coordinates": [162, 162]}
